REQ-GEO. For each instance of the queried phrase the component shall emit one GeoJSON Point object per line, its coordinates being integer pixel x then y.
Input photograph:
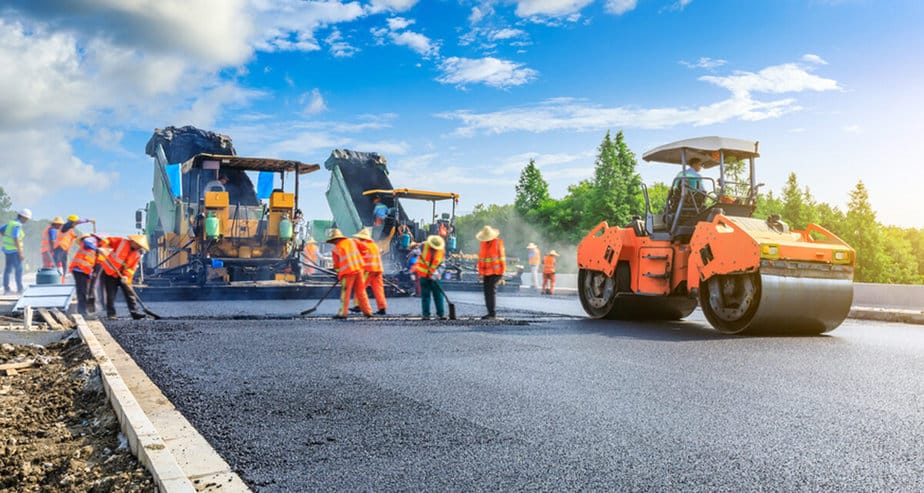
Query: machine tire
{"type": "Point", "coordinates": [730, 302]}
{"type": "Point", "coordinates": [597, 292]}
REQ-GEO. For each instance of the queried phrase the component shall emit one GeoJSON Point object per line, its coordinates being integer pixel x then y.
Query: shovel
{"type": "Point", "coordinates": [452, 307]}
{"type": "Point", "coordinates": [128, 287]}
{"type": "Point", "coordinates": [315, 307]}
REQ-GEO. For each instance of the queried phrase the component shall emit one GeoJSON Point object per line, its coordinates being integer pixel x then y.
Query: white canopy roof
{"type": "Point", "coordinates": [706, 149]}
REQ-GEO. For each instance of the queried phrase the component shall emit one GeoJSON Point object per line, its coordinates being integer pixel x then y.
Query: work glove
{"type": "Point", "coordinates": [124, 279]}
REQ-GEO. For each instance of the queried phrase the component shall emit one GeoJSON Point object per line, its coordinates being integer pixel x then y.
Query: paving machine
{"type": "Point", "coordinates": [210, 227]}
{"type": "Point", "coordinates": [749, 275]}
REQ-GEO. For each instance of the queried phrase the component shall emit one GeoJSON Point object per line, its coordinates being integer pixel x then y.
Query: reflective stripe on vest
{"type": "Point", "coordinates": [429, 260]}
{"type": "Point", "coordinates": [549, 266]}
{"type": "Point", "coordinates": [47, 242]}
{"type": "Point", "coordinates": [122, 261]}
{"type": "Point", "coordinates": [9, 236]}
{"type": "Point", "coordinates": [491, 261]}
{"type": "Point", "coordinates": [372, 259]}
{"type": "Point", "coordinates": [346, 258]}
{"type": "Point", "coordinates": [65, 240]}
{"type": "Point", "coordinates": [84, 260]}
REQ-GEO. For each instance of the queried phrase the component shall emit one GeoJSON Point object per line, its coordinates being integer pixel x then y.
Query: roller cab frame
{"type": "Point", "coordinates": [749, 275]}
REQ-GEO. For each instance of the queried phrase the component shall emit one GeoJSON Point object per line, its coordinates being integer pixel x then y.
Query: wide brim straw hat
{"type": "Point", "coordinates": [436, 242]}
{"type": "Point", "coordinates": [487, 233]}
{"type": "Point", "coordinates": [57, 220]}
{"type": "Point", "coordinates": [140, 240]}
{"type": "Point", "coordinates": [554, 253]}
{"type": "Point", "coordinates": [531, 245]}
{"type": "Point", "coordinates": [364, 234]}
{"type": "Point", "coordinates": [335, 234]}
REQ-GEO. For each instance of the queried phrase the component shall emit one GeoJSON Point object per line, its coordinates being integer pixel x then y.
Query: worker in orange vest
{"type": "Point", "coordinates": [82, 268]}
{"type": "Point", "coordinates": [428, 271]}
{"type": "Point", "coordinates": [310, 256]}
{"type": "Point", "coordinates": [548, 273]}
{"type": "Point", "coordinates": [120, 258]}
{"type": "Point", "coordinates": [492, 263]}
{"type": "Point", "coordinates": [533, 256]}
{"type": "Point", "coordinates": [349, 266]}
{"type": "Point", "coordinates": [65, 239]}
{"type": "Point", "coordinates": [48, 242]}
{"type": "Point", "coordinates": [372, 269]}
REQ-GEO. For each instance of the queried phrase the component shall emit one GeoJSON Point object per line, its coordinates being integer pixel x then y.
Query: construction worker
{"type": "Point", "coordinates": [349, 266]}
{"type": "Point", "coordinates": [548, 273]}
{"type": "Point", "coordinates": [533, 256]}
{"type": "Point", "coordinates": [492, 264]}
{"type": "Point", "coordinates": [379, 213]}
{"type": "Point", "coordinates": [120, 257]}
{"type": "Point", "coordinates": [372, 269]}
{"type": "Point", "coordinates": [82, 268]}
{"type": "Point", "coordinates": [428, 272]}
{"type": "Point", "coordinates": [65, 239]}
{"type": "Point", "coordinates": [48, 242]}
{"type": "Point", "coordinates": [13, 249]}
{"type": "Point", "coordinates": [310, 256]}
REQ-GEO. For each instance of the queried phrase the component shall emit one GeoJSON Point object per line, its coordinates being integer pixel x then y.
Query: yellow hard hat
{"type": "Point", "coordinates": [73, 218]}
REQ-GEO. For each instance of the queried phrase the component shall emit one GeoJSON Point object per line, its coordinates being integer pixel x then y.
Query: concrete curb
{"type": "Point", "coordinates": [143, 439]}
{"type": "Point", "coordinates": [887, 315]}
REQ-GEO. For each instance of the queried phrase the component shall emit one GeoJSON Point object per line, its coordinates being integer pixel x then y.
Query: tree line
{"type": "Point", "coordinates": [884, 254]}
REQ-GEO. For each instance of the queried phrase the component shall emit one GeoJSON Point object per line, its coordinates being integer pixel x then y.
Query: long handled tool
{"type": "Point", "coordinates": [128, 287]}
{"type": "Point", "coordinates": [315, 307]}
{"type": "Point", "coordinates": [452, 306]}
{"type": "Point", "coordinates": [328, 271]}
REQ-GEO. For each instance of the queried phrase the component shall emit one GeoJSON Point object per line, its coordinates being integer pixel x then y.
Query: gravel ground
{"type": "Point", "coordinates": [57, 431]}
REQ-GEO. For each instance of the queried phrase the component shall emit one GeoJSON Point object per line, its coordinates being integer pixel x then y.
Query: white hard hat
{"type": "Point", "coordinates": [26, 213]}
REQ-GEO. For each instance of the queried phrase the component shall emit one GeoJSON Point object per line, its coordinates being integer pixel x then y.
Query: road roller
{"type": "Point", "coordinates": [749, 275]}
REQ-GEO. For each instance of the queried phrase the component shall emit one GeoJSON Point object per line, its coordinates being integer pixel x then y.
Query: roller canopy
{"type": "Point", "coordinates": [706, 149]}
{"type": "Point", "coordinates": [251, 164]}
{"type": "Point", "coordinates": [407, 193]}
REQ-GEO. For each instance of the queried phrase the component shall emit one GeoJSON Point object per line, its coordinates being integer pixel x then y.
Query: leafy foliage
{"type": "Point", "coordinates": [532, 190]}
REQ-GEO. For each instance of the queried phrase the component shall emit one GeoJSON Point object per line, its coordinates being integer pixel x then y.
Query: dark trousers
{"type": "Point", "coordinates": [427, 287]}
{"type": "Point", "coordinates": [110, 285]}
{"type": "Point", "coordinates": [86, 292]}
{"type": "Point", "coordinates": [490, 293]}
{"type": "Point", "coordinates": [13, 266]}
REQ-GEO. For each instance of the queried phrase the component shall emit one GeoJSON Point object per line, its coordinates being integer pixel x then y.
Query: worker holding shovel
{"type": "Point", "coordinates": [120, 257]}
{"type": "Point", "coordinates": [428, 271]}
{"type": "Point", "coordinates": [372, 269]}
{"type": "Point", "coordinates": [82, 267]}
{"type": "Point", "coordinates": [349, 266]}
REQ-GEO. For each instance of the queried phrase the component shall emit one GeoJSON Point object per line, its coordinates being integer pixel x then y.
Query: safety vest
{"type": "Point", "coordinates": [12, 230]}
{"type": "Point", "coordinates": [311, 252]}
{"type": "Point", "coordinates": [65, 239]}
{"type": "Point", "coordinates": [48, 243]}
{"type": "Point", "coordinates": [549, 266]}
{"type": "Point", "coordinates": [533, 256]}
{"type": "Point", "coordinates": [84, 260]}
{"type": "Point", "coordinates": [123, 259]}
{"type": "Point", "coordinates": [372, 258]}
{"type": "Point", "coordinates": [429, 260]}
{"type": "Point", "coordinates": [491, 258]}
{"type": "Point", "coordinates": [346, 257]}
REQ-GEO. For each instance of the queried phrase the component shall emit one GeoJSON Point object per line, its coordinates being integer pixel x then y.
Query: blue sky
{"type": "Point", "coordinates": [457, 94]}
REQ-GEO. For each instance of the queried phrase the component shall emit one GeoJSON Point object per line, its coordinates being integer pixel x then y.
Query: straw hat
{"type": "Point", "coordinates": [487, 233]}
{"type": "Point", "coordinates": [335, 234]}
{"type": "Point", "coordinates": [57, 220]}
{"type": "Point", "coordinates": [531, 245]}
{"type": "Point", "coordinates": [554, 253]}
{"type": "Point", "coordinates": [364, 234]}
{"type": "Point", "coordinates": [436, 242]}
{"type": "Point", "coordinates": [139, 240]}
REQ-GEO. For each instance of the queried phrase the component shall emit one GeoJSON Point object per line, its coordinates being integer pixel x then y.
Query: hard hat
{"type": "Point", "coordinates": [73, 218]}
{"type": "Point", "coordinates": [335, 234]}
{"type": "Point", "coordinates": [26, 213]}
{"type": "Point", "coordinates": [487, 233]}
{"type": "Point", "coordinates": [436, 242]}
{"type": "Point", "coordinates": [364, 234]}
{"type": "Point", "coordinates": [57, 220]}
{"type": "Point", "coordinates": [139, 240]}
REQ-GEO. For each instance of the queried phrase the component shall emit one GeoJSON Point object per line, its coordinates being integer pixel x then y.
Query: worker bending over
{"type": "Point", "coordinates": [120, 258]}
{"type": "Point", "coordinates": [492, 264]}
{"type": "Point", "coordinates": [427, 268]}
{"type": "Point", "coordinates": [548, 273]}
{"type": "Point", "coordinates": [65, 239]}
{"type": "Point", "coordinates": [349, 266]}
{"type": "Point", "coordinates": [85, 273]}
{"type": "Point", "coordinates": [372, 268]}
{"type": "Point", "coordinates": [48, 242]}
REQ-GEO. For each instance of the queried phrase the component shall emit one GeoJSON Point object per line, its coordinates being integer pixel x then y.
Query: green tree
{"type": "Point", "coordinates": [902, 268]}
{"type": "Point", "coordinates": [5, 207]}
{"type": "Point", "coordinates": [531, 191]}
{"type": "Point", "coordinates": [617, 187]}
{"type": "Point", "coordinates": [798, 205]}
{"type": "Point", "coordinates": [767, 204]}
{"type": "Point", "coordinates": [862, 232]}
{"type": "Point", "coordinates": [657, 196]}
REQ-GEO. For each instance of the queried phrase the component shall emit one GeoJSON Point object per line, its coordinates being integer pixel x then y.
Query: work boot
{"type": "Point", "coordinates": [444, 317]}
{"type": "Point", "coordinates": [356, 309]}
{"type": "Point", "coordinates": [137, 316]}
{"type": "Point", "coordinates": [339, 317]}
{"type": "Point", "coordinates": [488, 317]}
{"type": "Point", "coordinates": [425, 317]}
{"type": "Point", "coordinates": [111, 317]}
{"type": "Point", "coordinates": [380, 312]}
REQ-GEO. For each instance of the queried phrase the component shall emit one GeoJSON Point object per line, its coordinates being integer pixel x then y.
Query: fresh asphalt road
{"type": "Point", "coordinates": [539, 401]}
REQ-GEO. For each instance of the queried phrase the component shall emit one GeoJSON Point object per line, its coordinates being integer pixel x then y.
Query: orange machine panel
{"type": "Point", "coordinates": [654, 270]}
{"type": "Point", "coordinates": [216, 199]}
{"type": "Point", "coordinates": [282, 200]}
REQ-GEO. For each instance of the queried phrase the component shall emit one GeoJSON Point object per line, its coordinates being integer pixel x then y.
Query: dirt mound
{"type": "Point", "coordinates": [57, 430]}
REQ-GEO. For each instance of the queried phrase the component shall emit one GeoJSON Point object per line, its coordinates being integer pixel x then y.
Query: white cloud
{"type": "Point", "coordinates": [415, 41]}
{"type": "Point", "coordinates": [507, 33]}
{"type": "Point", "coordinates": [619, 7]}
{"type": "Point", "coordinates": [551, 8]}
{"type": "Point", "coordinates": [490, 71]}
{"type": "Point", "coordinates": [704, 62]}
{"type": "Point", "coordinates": [289, 25]}
{"type": "Point", "coordinates": [853, 129]}
{"type": "Point", "coordinates": [810, 58]}
{"type": "Point", "coordinates": [399, 23]}
{"type": "Point", "coordinates": [338, 46]}
{"type": "Point", "coordinates": [677, 6]}
{"type": "Point", "coordinates": [377, 6]}
{"type": "Point", "coordinates": [313, 102]}
{"type": "Point", "coordinates": [579, 115]}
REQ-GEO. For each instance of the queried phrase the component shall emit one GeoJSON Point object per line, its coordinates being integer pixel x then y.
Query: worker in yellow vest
{"type": "Point", "coordinates": [349, 266]}
{"type": "Point", "coordinates": [548, 273]}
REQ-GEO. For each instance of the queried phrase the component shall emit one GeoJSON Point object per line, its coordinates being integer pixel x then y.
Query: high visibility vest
{"type": "Point", "coordinates": [429, 260]}
{"type": "Point", "coordinates": [492, 258]}
{"type": "Point", "coordinates": [533, 256]}
{"type": "Point", "coordinates": [84, 261]}
{"type": "Point", "coordinates": [372, 258]}
{"type": "Point", "coordinates": [123, 259]}
{"type": "Point", "coordinates": [48, 243]}
{"type": "Point", "coordinates": [65, 239]}
{"type": "Point", "coordinates": [311, 252]}
{"type": "Point", "coordinates": [549, 266]}
{"type": "Point", "coordinates": [346, 257]}
{"type": "Point", "coordinates": [11, 231]}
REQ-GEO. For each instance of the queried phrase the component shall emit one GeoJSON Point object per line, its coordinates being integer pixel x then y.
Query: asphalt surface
{"type": "Point", "coordinates": [539, 401]}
